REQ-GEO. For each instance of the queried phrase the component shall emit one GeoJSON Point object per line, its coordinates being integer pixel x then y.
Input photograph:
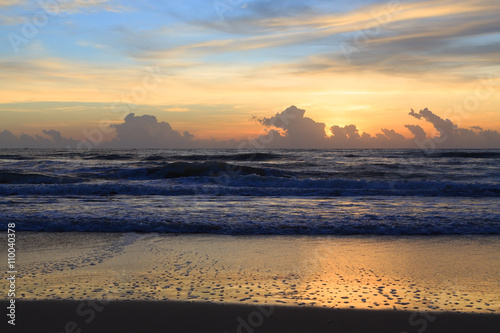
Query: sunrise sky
{"type": "Point", "coordinates": [207, 67]}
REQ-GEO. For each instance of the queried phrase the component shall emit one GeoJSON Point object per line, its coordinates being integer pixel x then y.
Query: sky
{"type": "Point", "coordinates": [361, 73]}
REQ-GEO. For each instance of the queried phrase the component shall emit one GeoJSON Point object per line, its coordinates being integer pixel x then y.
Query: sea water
{"type": "Point", "coordinates": [330, 192]}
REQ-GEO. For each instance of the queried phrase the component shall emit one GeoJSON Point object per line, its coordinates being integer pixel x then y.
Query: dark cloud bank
{"type": "Point", "coordinates": [287, 129]}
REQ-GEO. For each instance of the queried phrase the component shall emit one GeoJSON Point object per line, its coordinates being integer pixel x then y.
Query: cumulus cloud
{"type": "Point", "coordinates": [348, 132]}
{"type": "Point", "coordinates": [52, 139]}
{"type": "Point", "coordinates": [299, 131]}
{"type": "Point", "coordinates": [303, 132]}
{"type": "Point", "coordinates": [417, 131]}
{"type": "Point", "coordinates": [287, 129]}
{"type": "Point", "coordinates": [147, 132]}
{"type": "Point", "coordinates": [349, 137]}
{"type": "Point", "coordinates": [453, 136]}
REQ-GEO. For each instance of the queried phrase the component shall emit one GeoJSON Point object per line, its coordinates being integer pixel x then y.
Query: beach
{"type": "Point", "coordinates": [249, 166]}
{"type": "Point", "coordinates": [179, 316]}
{"type": "Point", "coordinates": [243, 241]}
{"type": "Point", "coordinates": [303, 280]}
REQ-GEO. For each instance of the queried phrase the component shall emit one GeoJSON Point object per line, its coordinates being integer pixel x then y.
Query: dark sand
{"type": "Point", "coordinates": [179, 316]}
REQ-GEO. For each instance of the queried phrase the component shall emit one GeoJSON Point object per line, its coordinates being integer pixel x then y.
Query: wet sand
{"type": "Point", "coordinates": [445, 273]}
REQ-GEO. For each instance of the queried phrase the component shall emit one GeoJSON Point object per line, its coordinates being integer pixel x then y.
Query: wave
{"type": "Point", "coordinates": [466, 154]}
{"type": "Point", "coordinates": [160, 171]}
{"type": "Point", "coordinates": [250, 157]}
{"type": "Point", "coordinates": [209, 168]}
{"type": "Point", "coordinates": [355, 226]}
{"type": "Point", "coordinates": [239, 215]}
{"type": "Point", "coordinates": [30, 178]}
{"type": "Point", "coordinates": [425, 153]}
{"type": "Point", "coordinates": [15, 157]}
{"type": "Point", "coordinates": [170, 182]}
{"type": "Point", "coordinates": [108, 157]}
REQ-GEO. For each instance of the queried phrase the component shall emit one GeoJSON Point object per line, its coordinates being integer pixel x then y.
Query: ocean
{"type": "Point", "coordinates": [243, 192]}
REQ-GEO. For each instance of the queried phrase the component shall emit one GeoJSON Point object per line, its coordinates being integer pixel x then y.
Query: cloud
{"type": "Point", "coordinates": [18, 11]}
{"type": "Point", "coordinates": [8, 3]}
{"type": "Point", "coordinates": [52, 139]}
{"type": "Point", "coordinates": [417, 39]}
{"type": "Point", "coordinates": [451, 136]}
{"type": "Point", "coordinates": [348, 132]}
{"type": "Point", "coordinates": [66, 6]}
{"type": "Point", "coordinates": [349, 137]}
{"type": "Point", "coordinates": [287, 129]}
{"type": "Point", "coordinates": [78, 6]}
{"type": "Point", "coordinates": [146, 132]}
{"type": "Point", "coordinates": [417, 131]}
{"type": "Point", "coordinates": [304, 132]}
{"type": "Point", "coordinates": [414, 38]}
{"type": "Point", "coordinates": [300, 131]}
